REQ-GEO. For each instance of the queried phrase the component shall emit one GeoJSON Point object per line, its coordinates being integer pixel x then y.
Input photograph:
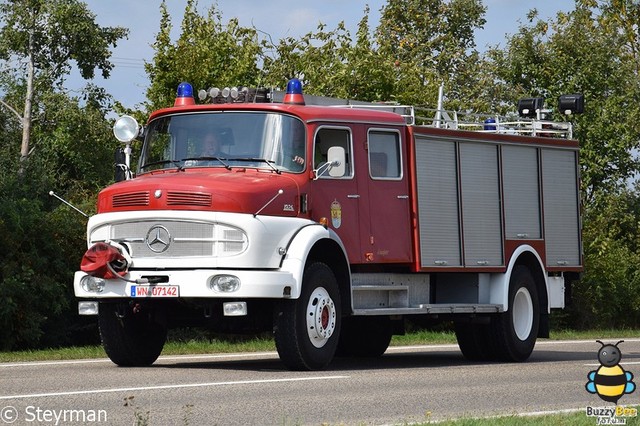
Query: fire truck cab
{"type": "Point", "coordinates": [331, 224]}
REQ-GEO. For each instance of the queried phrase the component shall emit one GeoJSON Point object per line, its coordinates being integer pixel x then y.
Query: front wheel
{"type": "Point", "coordinates": [515, 331]}
{"type": "Point", "coordinates": [130, 337]}
{"type": "Point", "coordinates": [307, 329]}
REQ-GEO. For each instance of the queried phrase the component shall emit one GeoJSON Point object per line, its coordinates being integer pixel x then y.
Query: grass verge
{"type": "Point", "coordinates": [578, 418]}
{"type": "Point", "coordinates": [264, 344]}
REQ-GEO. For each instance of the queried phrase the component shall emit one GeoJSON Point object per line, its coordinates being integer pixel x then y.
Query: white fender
{"type": "Point", "coordinates": [499, 283]}
{"type": "Point", "coordinates": [299, 248]}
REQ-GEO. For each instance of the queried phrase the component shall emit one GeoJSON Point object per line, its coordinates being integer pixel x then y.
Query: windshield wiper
{"type": "Point", "coordinates": [226, 166]}
{"type": "Point", "coordinates": [263, 160]}
{"type": "Point", "coordinates": [178, 164]}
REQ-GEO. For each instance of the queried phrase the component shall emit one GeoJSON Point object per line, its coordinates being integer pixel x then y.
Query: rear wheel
{"type": "Point", "coordinates": [475, 341]}
{"type": "Point", "coordinates": [130, 338]}
{"type": "Point", "coordinates": [364, 336]}
{"type": "Point", "coordinates": [307, 329]}
{"type": "Point", "coordinates": [515, 331]}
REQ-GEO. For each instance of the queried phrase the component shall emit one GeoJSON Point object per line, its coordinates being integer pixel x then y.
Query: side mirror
{"type": "Point", "coordinates": [335, 165]}
{"type": "Point", "coordinates": [337, 159]}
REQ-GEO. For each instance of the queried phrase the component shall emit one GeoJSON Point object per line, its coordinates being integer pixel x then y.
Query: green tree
{"type": "Point", "coordinates": [581, 51]}
{"type": "Point", "coordinates": [45, 239]}
{"type": "Point", "coordinates": [317, 58]}
{"type": "Point", "coordinates": [429, 42]}
{"type": "Point", "coordinates": [44, 37]}
{"type": "Point", "coordinates": [329, 63]}
{"type": "Point", "coordinates": [207, 53]}
{"type": "Point", "coordinates": [607, 296]}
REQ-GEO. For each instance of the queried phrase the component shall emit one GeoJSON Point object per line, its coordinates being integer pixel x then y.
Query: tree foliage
{"type": "Point", "coordinates": [44, 38]}
{"type": "Point", "coordinates": [71, 153]}
{"type": "Point", "coordinates": [206, 54]}
{"type": "Point", "coordinates": [429, 42]}
{"type": "Point", "coordinates": [44, 238]}
{"type": "Point", "coordinates": [582, 52]}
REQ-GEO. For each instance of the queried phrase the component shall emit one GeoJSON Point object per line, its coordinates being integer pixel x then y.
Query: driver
{"type": "Point", "coordinates": [210, 146]}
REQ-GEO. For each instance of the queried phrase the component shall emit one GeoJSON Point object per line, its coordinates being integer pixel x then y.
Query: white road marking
{"type": "Point", "coordinates": [46, 363]}
{"type": "Point", "coordinates": [166, 358]}
{"type": "Point", "coordinates": [181, 386]}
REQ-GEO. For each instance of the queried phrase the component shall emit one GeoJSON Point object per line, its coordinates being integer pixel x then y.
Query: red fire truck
{"type": "Point", "coordinates": [330, 225]}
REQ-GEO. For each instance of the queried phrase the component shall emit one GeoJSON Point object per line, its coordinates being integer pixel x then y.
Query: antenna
{"type": "Point", "coordinates": [53, 194]}
{"type": "Point", "coordinates": [280, 192]}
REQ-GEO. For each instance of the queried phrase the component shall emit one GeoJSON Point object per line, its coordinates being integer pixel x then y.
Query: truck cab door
{"type": "Point", "coordinates": [388, 239]}
{"type": "Point", "coordinates": [335, 194]}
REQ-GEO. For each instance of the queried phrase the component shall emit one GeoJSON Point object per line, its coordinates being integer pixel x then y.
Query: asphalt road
{"type": "Point", "coordinates": [407, 384]}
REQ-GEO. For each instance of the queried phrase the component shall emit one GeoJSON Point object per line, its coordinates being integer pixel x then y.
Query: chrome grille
{"type": "Point", "coordinates": [186, 239]}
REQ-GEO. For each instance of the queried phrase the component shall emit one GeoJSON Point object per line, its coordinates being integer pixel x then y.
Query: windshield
{"type": "Point", "coordinates": [225, 139]}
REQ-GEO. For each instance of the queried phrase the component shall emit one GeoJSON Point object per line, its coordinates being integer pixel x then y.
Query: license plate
{"type": "Point", "coordinates": [155, 291]}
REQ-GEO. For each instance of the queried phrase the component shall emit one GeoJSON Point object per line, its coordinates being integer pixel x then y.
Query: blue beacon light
{"type": "Point", "coordinates": [294, 93]}
{"type": "Point", "coordinates": [185, 95]}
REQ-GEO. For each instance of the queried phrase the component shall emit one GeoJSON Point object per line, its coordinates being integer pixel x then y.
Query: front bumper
{"type": "Point", "coordinates": [194, 283]}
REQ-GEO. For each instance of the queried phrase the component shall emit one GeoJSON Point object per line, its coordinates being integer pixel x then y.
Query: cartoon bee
{"type": "Point", "coordinates": [610, 381]}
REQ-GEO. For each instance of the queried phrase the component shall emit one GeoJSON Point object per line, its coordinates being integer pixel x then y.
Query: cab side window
{"type": "Point", "coordinates": [384, 155]}
{"type": "Point", "coordinates": [327, 138]}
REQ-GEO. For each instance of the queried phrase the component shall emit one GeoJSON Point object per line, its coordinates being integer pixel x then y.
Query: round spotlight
{"type": "Point", "coordinates": [126, 129]}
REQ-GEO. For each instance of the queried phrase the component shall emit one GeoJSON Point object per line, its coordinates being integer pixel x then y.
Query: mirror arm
{"type": "Point", "coordinates": [327, 166]}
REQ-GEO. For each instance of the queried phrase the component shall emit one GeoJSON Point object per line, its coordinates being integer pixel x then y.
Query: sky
{"type": "Point", "coordinates": [279, 18]}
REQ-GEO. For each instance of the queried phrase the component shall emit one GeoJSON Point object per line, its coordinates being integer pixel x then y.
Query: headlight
{"type": "Point", "coordinates": [224, 283]}
{"type": "Point", "coordinates": [92, 284]}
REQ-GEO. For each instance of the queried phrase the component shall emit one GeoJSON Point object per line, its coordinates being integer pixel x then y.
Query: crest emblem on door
{"type": "Point", "coordinates": [336, 214]}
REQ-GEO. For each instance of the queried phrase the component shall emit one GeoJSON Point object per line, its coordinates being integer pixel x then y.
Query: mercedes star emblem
{"type": "Point", "coordinates": [158, 239]}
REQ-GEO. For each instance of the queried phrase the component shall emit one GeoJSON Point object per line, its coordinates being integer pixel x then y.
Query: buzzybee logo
{"type": "Point", "coordinates": [610, 382]}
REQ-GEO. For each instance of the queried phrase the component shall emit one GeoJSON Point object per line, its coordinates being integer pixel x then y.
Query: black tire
{"type": "Point", "coordinates": [307, 329]}
{"type": "Point", "coordinates": [364, 336]}
{"type": "Point", "coordinates": [514, 332]}
{"type": "Point", "coordinates": [474, 341]}
{"type": "Point", "coordinates": [130, 339]}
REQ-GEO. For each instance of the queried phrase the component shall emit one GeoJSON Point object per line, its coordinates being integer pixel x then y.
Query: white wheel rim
{"type": "Point", "coordinates": [522, 313]}
{"type": "Point", "coordinates": [321, 317]}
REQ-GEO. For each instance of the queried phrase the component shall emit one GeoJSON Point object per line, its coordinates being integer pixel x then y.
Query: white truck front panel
{"type": "Point", "coordinates": [196, 239]}
{"type": "Point", "coordinates": [270, 264]}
